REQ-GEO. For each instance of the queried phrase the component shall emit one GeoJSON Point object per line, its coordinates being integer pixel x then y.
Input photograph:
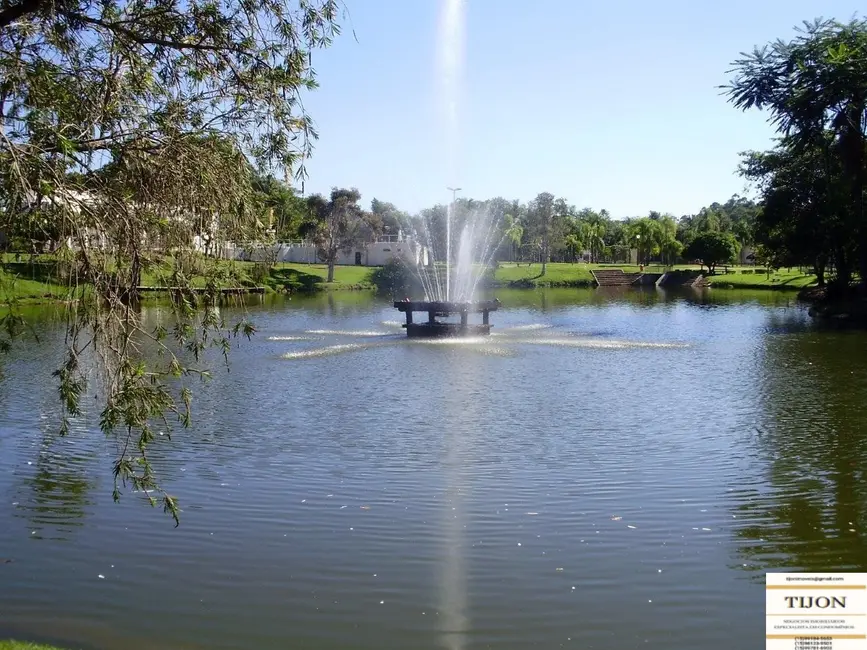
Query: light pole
{"type": "Point", "coordinates": [454, 191]}
{"type": "Point", "coordinates": [638, 249]}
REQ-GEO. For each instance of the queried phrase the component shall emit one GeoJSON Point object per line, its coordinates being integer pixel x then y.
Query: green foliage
{"type": "Point", "coordinates": [338, 224]}
{"type": "Point", "coordinates": [389, 219]}
{"type": "Point", "coordinates": [395, 279]}
{"type": "Point", "coordinates": [280, 208]}
{"type": "Point", "coordinates": [713, 248]}
{"type": "Point", "coordinates": [804, 219]}
{"type": "Point", "coordinates": [815, 89]}
{"type": "Point", "coordinates": [128, 130]}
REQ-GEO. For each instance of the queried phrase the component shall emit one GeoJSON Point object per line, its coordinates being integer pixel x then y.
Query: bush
{"type": "Point", "coordinates": [395, 277]}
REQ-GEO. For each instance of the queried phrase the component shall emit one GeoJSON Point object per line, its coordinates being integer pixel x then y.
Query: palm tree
{"type": "Point", "coordinates": [514, 232]}
{"type": "Point", "coordinates": [645, 234]}
{"type": "Point", "coordinates": [593, 233]}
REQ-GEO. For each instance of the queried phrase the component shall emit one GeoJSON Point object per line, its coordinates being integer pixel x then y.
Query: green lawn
{"type": "Point", "coordinates": [782, 279]}
{"type": "Point", "coordinates": [23, 282]}
{"type": "Point", "coordinates": [555, 274]}
{"type": "Point", "coordinates": [295, 277]}
{"type": "Point", "coordinates": [344, 276]}
{"type": "Point", "coordinates": [26, 283]}
{"type": "Point", "coordinates": [19, 287]}
{"type": "Point", "coordinates": [565, 274]}
{"type": "Point", "coordinates": [22, 645]}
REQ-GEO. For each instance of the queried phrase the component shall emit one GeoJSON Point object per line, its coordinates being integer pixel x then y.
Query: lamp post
{"type": "Point", "coordinates": [449, 213]}
{"type": "Point", "coordinates": [638, 248]}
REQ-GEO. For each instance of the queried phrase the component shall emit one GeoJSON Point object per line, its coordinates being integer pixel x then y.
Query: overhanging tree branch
{"type": "Point", "coordinates": [10, 14]}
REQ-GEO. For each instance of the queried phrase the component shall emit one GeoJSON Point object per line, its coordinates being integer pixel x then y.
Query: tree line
{"type": "Point", "coordinates": [545, 229]}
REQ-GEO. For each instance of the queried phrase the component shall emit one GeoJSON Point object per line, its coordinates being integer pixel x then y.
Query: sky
{"type": "Point", "coordinates": [611, 105]}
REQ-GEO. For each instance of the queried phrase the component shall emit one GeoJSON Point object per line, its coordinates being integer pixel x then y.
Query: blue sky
{"type": "Point", "coordinates": [609, 104]}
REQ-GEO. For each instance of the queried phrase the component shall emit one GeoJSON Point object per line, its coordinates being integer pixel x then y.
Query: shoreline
{"type": "Point", "coordinates": [304, 279]}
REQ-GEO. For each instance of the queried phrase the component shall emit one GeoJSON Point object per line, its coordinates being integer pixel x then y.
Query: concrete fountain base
{"type": "Point", "coordinates": [433, 328]}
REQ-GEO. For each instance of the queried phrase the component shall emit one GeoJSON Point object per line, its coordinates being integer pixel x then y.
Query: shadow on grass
{"type": "Point", "coordinates": [796, 278]}
{"type": "Point", "coordinates": [45, 272]}
{"type": "Point", "coordinates": [293, 280]}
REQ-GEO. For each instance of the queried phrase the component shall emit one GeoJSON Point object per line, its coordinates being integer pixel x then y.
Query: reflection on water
{"type": "Point", "coordinates": [501, 343]}
{"type": "Point", "coordinates": [578, 478]}
{"type": "Point", "coordinates": [810, 511]}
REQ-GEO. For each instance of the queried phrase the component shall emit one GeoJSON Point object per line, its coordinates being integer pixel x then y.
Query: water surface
{"type": "Point", "coordinates": [608, 470]}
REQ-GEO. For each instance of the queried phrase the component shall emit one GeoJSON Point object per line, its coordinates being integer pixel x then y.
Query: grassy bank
{"type": "Point", "coordinates": [579, 275]}
{"type": "Point", "coordinates": [21, 288]}
{"type": "Point", "coordinates": [23, 645]}
{"type": "Point", "coordinates": [743, 278]}
{"type": "Point", "coordinates": [38, 282]}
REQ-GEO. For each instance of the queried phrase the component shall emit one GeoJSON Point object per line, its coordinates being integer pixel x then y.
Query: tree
{"type": "Point", "coordinates": [575, 243]}
{"type": "Point", "coordinates": [280, 207]}
{"type": "Point", "coordinates": [804, 219]}
{"type": "Point", "coordinates": [513, 231]}
{"type": "Point", "coordinates": [139, 121]}
{"type": "Point", "coordinates": [645, 235]}
{"type": "Point", "coordinates": [393, 220]}
{"type": "Point", "coordinates": [712, 248]}
{"type": "Point", "coordinates": [813, 86]}
{"type": "Point", "coordinates": [338, 224]}
{"type": "Point", "coordinates": [594, 226]}
{"type": "Point", "coordinates": [541, 220]}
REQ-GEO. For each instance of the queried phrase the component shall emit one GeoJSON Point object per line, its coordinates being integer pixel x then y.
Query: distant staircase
{"type": "Point", "coordinates": [614, 277]}
{"type": "Point", "coordinates": [684, 278]}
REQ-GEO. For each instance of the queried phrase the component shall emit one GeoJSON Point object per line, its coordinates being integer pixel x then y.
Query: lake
{"type": "Point", "coordinates": [608, 470]}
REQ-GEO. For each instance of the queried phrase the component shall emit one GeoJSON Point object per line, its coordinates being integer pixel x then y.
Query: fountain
{"type": "Point", "coordinates": [433, 328]}
{"type": "Point", "coordinates": [478, 241]}
{"type": "Point", "coordinates": [450, 287]}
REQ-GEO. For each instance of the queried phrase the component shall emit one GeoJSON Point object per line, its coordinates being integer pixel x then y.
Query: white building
{"type": "Point", "coordinates": [376, 253]}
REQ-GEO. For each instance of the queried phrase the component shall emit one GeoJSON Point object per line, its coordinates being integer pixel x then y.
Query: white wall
{"type": "Point", "coordinates": [374, 254]}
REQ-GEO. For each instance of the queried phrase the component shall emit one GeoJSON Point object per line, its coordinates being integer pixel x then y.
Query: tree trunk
{"type": "Point", "coordinates": [820, 270]}
{"type": "Point", "coordinates": [330, 269]}
{"type": "Point", "coordinates": [844, 270]}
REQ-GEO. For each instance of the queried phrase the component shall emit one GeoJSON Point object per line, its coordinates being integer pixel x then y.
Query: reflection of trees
{"type": "Point", "coordinates": [60, 489]}
{"type": "Point", "coordinates": [53, 492]}
{"type": "Point", "coordinates": [813, 435]}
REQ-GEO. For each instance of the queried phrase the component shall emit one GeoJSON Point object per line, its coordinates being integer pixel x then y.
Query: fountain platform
{"type": "Point", "coordinates": [432, 328]}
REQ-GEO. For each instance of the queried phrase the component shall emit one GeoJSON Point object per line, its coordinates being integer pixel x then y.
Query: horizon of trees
{"type": "Point", "coordinates": [545, 229]}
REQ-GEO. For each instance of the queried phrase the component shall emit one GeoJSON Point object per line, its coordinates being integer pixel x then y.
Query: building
{"type": "Point", "coordinates": [376, 253]}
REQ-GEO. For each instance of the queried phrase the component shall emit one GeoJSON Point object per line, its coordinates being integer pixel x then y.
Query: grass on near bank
{"type": "Point", "coordinates": [29, 288]}
{"type": "Point", "coordinates": [22, 645]}
{"type": "Point", "coordinates": [37, 282]}
{"type": "Point", "coordinates": [579, 274]}
{"type": "Point", "coordinates": [792, 279]}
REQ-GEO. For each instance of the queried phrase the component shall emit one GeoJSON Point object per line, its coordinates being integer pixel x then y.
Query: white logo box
{"type": "Point", "coordinates": [816, 611]}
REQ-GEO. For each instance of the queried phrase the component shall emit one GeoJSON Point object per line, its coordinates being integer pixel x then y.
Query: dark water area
{"type": "Point", "coordinates": [608, 470]}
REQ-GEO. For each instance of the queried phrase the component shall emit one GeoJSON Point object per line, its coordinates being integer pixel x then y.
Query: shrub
{"type": "Point", "coordinates": [395, 277]}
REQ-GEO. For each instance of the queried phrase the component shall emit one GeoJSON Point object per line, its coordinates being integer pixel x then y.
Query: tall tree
{"type": "Point", "coordinates": [804, 219]}
{"type": "Point", "coordinates": [645, 235]}
{"type": "Point", "coordinates": [541, 219]}
{"type": "Point", "coordinates": [281, 208]}
{"type": "Point", "coordinates": [814, 85]}
{"type": "Point", "coordinates": [713, 248]}
{"type": "Point", "coordinates": [338, 225]}
{"type": "Point", "coordinates": [393, 221]}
